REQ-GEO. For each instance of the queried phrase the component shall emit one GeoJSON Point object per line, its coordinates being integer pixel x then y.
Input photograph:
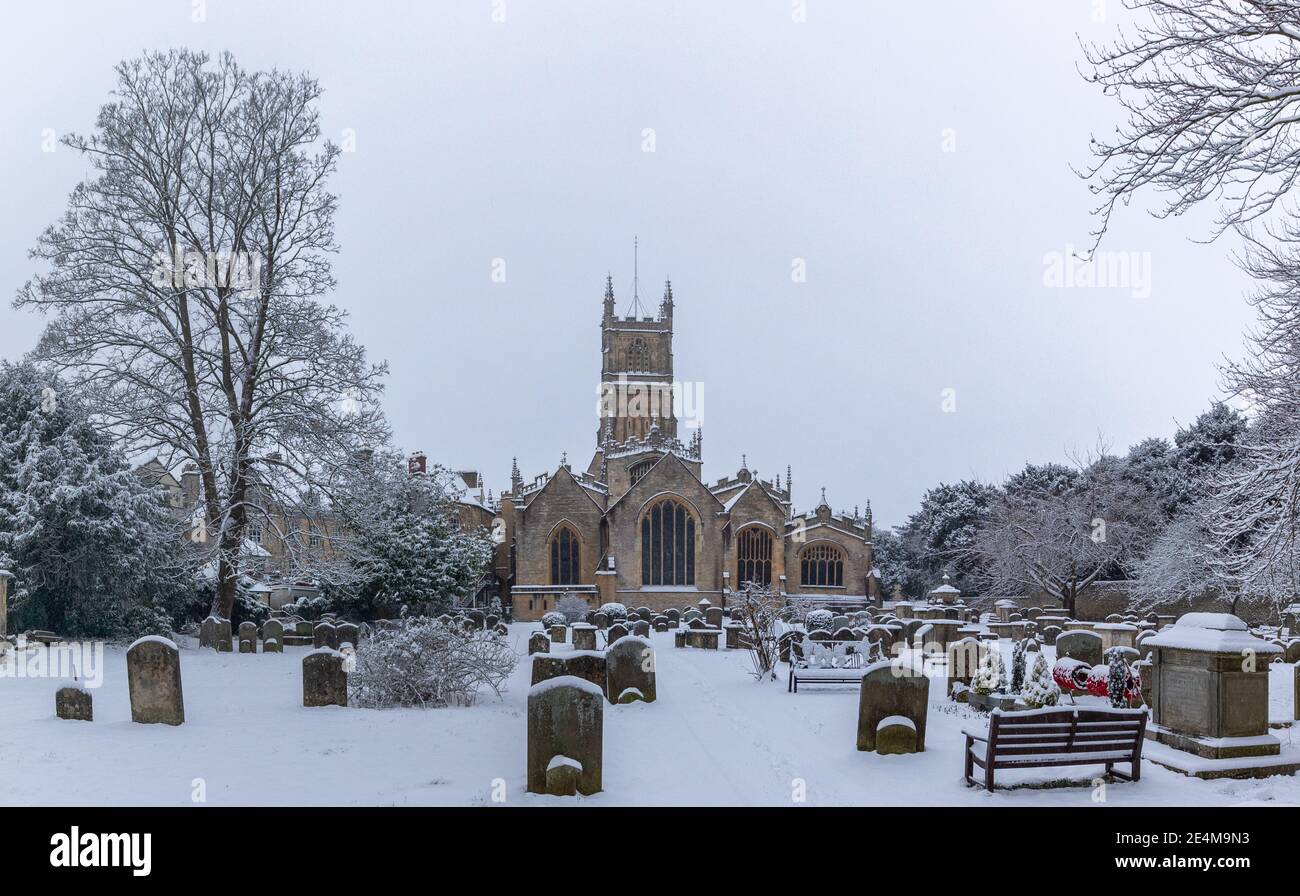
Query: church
{"type": "Point", "coordinates": [640, 526]}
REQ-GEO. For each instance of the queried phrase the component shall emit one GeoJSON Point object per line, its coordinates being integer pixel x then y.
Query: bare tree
{"type": "Point", "coordinates": [185, 277]}
{"type": "Point", "coordinates": [1212, 92]}
{"type": "Point", "coordinates": [1061, 536]}
{"type": "Point", "coordinates": [758, 609]}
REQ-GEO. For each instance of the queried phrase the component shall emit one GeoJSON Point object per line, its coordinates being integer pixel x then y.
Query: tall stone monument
{"type": "Point", "coordinates": [1209, 695]}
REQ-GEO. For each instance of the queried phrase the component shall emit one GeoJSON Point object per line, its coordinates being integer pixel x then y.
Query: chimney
{"type": "Point", "coordinates": [417, 466]}
{"type": "Point", "coordinates": [190, 483]}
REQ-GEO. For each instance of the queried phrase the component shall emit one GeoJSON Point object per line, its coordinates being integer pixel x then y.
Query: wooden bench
{"type": "Point", "coordinates": [1043, 738]}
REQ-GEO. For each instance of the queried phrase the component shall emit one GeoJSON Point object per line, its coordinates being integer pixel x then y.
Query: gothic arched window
{"type": "Point", "coordinates": [639, 470]}
{"type": "Point", "coordinates": [754, 556]}
{"type": "Point", "coordinates": [822, 565]}
{"type": "Point", "coordinates": [668, 544]}
{"type": "Point", "coordinates": [638, 356]}
{"type": "Point", "coordinates": [565, 553]}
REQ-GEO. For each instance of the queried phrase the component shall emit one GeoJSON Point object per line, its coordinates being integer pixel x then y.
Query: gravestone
{"type": "Point", "coordinates": [74, 703]}
{"type": "Point", "coordinates": [248, 637]}
{"type": "Point", "coordinates": [584, 636]}
{"type": "Point", "coordinates": [560, 632]}
{"type": "Point", "coordinates": [325, 635]}
{"type": "Point", "coordinates": [891, 688]}
{"type": "Point", "coordinates": [616, 631]}
{"type": "Point", "coordinates": [679, 638]}
{"type": "Point", "coordinates": [600, 620]}
{"type": "Point", "coordinates": [661, 623]}
{"type": "Point", "coordinates": [641, 628]}
{"type": "Point", "coordinates": [1116, 634]}
{"type": "Point", "coordinates": [565, 736]}
{"type": "Point", "coordinates": [674, 615]}
{"type": "Point", "coordinates": [894, 735]}
{"type": "Point", "coordinates": [214, 632]}
{"type": "Point", "coordinates": [704, 638]}
{"type": "Point", "coordinates": [1086, 647]}
{"type": "Point", "coordinates": [272, 636]}
{"type": "Point", "coordinates": [630, 671]}
{"type": "Point", "coordinates": [588, 665]}
{"type": "Point", "coordinates": [347, 633]}
{"type": "Point", "coordinates": [538, 643]}
{"type": "Point", "coordinates": [153, 671]}
{"type": "Point", "coordinates": [324, 683]}
{"type": "Point", "coordinates": [1209, 689]}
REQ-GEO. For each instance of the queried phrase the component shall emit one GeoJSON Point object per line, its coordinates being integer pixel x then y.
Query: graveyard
{"type": "Point", "coordinates": [707, 733]}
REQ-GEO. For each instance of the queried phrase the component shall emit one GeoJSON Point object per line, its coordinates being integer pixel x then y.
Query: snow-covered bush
{"type": "Point", "coordinates": [818, 619]}
{"type": "Point", "coordinates": [1040, 689]}
{"type": "Point", "coordinates": [614, 612]}
{"type": "Point", "coordinates": [1017, 667]}
{"type": "Point", "coordinates": [990, 676]}
{"type": "Point", "coordinates": [421, 662]}
{"type": "Point", "coordinates": [554, 617]}
{"type": "Point", "coordinates": [574, 608]}
{"type": "Point", "coordinates": [1117, 680]}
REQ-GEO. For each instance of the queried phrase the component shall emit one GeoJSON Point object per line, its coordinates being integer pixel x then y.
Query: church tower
{"type": "Point", "coordinates": [636, 370]}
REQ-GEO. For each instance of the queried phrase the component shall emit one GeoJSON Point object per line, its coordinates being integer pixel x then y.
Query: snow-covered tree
{"type": "Point", "coordinates": [184, 281]}
{"type": "Point", "coordinates": [758, 608]}
{"type": "Point", "coordinates": [1058, 531]}
{"type": "Point", "coordinates": [399, 543]}
{"type": "Point", "coordinates": [941, 534]}
{"type": "Point", "coordinates": [94, 547]}
{"type": "Point", "coordinates": [900, 563]}
{"type": "Point", "coordinates": [1117, 680]}
{"type": "Point", "coordinates": [1017, 667]}
{"type": "Point", "coordinates": [1212, 92]}
{"type": "Point", "coordinates": [990, 675]}
{"type": "Point", "coordinates": [1040, 689]}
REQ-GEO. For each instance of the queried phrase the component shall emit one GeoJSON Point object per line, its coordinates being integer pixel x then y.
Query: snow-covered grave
{"type": "Point", "coordinates": [714, 737]}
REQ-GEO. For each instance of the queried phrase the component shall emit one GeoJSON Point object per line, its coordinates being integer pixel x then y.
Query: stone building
{"type": "Point", "coordinates": [640, 526]}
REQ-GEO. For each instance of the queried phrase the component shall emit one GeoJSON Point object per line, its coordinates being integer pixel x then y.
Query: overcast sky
{"type": "Point", "coordinates": [916, 157]}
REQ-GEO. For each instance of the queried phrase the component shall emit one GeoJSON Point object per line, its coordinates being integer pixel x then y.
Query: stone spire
{"type": "Point", "coordinates": [516, 481]}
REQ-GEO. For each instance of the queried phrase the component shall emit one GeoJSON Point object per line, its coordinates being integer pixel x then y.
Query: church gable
{"type": "Point", "coordinates": [562, 502]}
{"type": "Point", "coordinates": [670, 475]}
{"type": "Point", "coordinates": [756, 504]}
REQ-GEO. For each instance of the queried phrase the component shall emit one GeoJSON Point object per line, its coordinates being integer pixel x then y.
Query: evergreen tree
{"type": "Point", "coordinates": [1040, 689]}
{"type": "Point", "coordinates": [94, 547]}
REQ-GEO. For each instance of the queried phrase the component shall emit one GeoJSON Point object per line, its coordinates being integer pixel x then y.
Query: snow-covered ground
{"type": "Point", "coordinates": [714, 737]}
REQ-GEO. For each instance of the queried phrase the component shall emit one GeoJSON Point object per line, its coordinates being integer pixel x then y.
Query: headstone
{"type": "Point", "coordinates": [248, 637]}
{"type": "Point", "coordinates": [600, 620]}
{"type": "Point", "coordinates": [347, 633]}
{"type": "Point", "coordinates": [641, 628]}
{"type": "Point", "coordinates": [214, 632]}
{"type": "Point", "coordinates": [538, 643]}
{"type": "Point", "coordinates": [588, 665]}
{"type": "Point", "coordinates": [704, 638]}
{"type": "Point", "coordinates": [324, 683]}
{"type": "Point", "coordinates": [1116, 634]}
{"type": "Point", "coordinates": [1086, 647]}
{"type": "Point", "coordinates": [74, 703]}
{"type": "Point", "coordinates": [895, 734]}
{"type": "Point", "coordinates": [560, 632]}
{"type": "Point", "coordinates": [565, 736]}
{"type": "Point", "coordinates": [891, 688]}
{"type": "Point", "coordinates": [674, 615]}
{"type": "Point", "coordinates": [153, 671]}
{"type": "Point", "coordinates": [325, 635]}
{"type": "Point", "coordinates": [630, 671]}
{"type": "Point", "coordinates": [584, 636]}
{"type": "Point", "coordinates": [661, 623]}
{"type": "Point", "coordinates": [615, 631]}
{"type": "Point", "coordinates": [272, 636]}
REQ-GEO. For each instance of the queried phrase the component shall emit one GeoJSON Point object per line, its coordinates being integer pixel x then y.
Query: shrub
{"type": "Point", "coordinates": [615, 612]}
{"type": "Point", "coordinates": [421, 662]}
{"type": "Point", "coordinates": [554, 618]}
{"type": "Point", "coordinates": [573, 607]}
{"type": "Point", "coordinates": [1040, 690]}
{"type": "Point", "coordinates": [818, 619]}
